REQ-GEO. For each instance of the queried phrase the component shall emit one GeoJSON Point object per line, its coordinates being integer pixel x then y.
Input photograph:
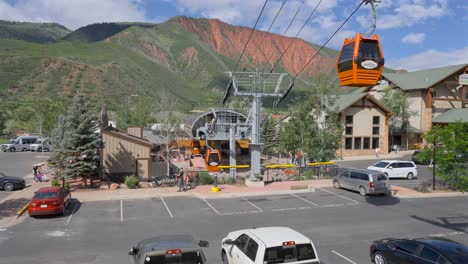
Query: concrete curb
{"type": "Point", "coordinates": [432, 195]}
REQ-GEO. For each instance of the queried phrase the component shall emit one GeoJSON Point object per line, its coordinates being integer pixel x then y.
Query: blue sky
{"type": "Point", "coordinates": [415, 34]}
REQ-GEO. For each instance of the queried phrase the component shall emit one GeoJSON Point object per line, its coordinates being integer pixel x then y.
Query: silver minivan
{"type": "Point", "coordinates": [21, 143]}
{"type": "Point", "coordinates": [364, 181]}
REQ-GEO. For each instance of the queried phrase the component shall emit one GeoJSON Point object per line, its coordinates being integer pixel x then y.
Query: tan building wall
{"type": "Point", "coordinates": [416, 106]}
{"type": "Point", "coordinates": [119, 156]}
{"type": "Point", "coordinates": [362, 127]}
{"type": "Point", "coordinates": [136, 131]}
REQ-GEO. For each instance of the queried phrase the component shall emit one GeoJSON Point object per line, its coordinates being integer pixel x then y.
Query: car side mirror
{"type": "Point", "coordinates": [390, 167]}
{"type": "Point", "coordinates": [392, 247]}
{"type": "Point", "coordinates": [203, 243]}
{"type": "Point", "coordinates": [228, 242]}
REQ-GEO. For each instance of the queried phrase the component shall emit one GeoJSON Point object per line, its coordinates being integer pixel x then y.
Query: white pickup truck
{"type": "Point", "coordinates": [268, 245]}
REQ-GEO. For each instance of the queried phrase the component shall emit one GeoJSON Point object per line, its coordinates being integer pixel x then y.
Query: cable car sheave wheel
{"type": "Point", "coordinates": [361, 61]}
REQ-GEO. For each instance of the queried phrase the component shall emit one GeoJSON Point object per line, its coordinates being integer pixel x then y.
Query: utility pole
{"type": "Point", "coordinates": [433, 164]}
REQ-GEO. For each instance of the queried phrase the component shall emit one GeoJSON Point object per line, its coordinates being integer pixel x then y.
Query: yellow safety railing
{"type": "Point", "coordinates": [234, 166]}
{"type": "Point", "coordinates": [280, 166]}
{"type": "Point", "coordinates": [320, 163]}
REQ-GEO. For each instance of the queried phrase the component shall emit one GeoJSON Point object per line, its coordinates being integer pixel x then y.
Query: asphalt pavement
{"type": "Point", "coordinates": [19, 164]}
{"type": "Point", "coordinates": [424, 171]}
{"type": "Point", "coordinates": [342, 224]}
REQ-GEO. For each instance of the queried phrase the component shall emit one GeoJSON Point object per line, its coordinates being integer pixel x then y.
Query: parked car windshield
{"type": "Point", "coordinates": [381, 164]}
{"type": "Point", "coordinates": [281, 255]}
{"type": "Point", "coordinates": [45, 195]}
{"type": "Point", "coordinates": [184, 258]}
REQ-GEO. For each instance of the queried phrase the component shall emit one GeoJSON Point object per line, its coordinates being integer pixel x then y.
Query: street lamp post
{"type": "Point", "coordinates": [433, 164]}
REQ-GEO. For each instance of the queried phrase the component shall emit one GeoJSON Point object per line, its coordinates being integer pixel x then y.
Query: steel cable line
{"type": "Point", "coordinates": [297, 34]}
{"type": "Point", "coordinates": [268, 30]}
{"type": "Point", "coordinates": [328, 40]}
{"type": "Point", "coordinates": [250, 36]}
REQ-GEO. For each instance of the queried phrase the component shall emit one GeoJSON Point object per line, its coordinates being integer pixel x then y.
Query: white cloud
{"type": "Point", "coordinates": [414, 38]}
{"type": "Point", "coordinates": [73, 13]}
{"type": "Point", "coordinates": [406, 13]}
{"type": "Point", "coordinates": [430, 59]}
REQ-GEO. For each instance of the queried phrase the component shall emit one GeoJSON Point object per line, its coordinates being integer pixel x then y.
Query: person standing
{"type": "Point", "coordinates": [180, 181]}
{"type": "Point", "coordinates": [377, 151]}
{"type": "Point", "coordinates": [35, 173]}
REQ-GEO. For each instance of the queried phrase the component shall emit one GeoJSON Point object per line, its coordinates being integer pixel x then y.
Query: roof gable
{"type": "Point", "coordinates": [452, 116]}
{"type": "Point", "coordinates": [422, 79]}
{"type": "Point", "coordinates": [346, 100]}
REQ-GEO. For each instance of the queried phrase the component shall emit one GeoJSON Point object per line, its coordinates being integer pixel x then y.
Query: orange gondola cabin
{"type": "Point", "coordinates": [195, 148]}
{"type": "Point", "coordinates": [212, 160]}
{"type": "Point", "coordinates": [361, 61]}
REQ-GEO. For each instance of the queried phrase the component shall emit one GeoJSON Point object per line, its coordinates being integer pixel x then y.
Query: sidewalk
{"type": "Point", "coordinates": [227, 191]}
{"type": "Point", "coordinates": [390, 156]}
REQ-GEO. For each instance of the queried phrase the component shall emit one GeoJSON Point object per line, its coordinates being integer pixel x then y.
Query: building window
{"type": "Point", "coordinates": [375, 143]}
{"type": "Point", "coordinates": [357, 143]}
{"type": "Point", "coordinates": [375, 130]}
{"type": "Point", "coordinates": [349, 119]}
{"type": "Point", "coordinates": [366, 143]}
{"type": "Point", "coordinates": [349, 130]}
{"type": "Point", "coordinates": [434, 94]}
{"type": "Point", "coordinates": [376, 120]}
{"type": "Point", "coordinates": [348, 143]}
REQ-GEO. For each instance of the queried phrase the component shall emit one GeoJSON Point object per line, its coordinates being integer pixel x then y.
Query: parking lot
{"type": "Point", "coordinates": [19, 164]}
{"type": "Point", "coordinates": [342, 224]}
{"type": "Point", "coordinates": [424, 171]}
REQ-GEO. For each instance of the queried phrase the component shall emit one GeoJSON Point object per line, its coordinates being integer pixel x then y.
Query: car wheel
{"type": "Point", "coordinates": [12, 149]}
{"type": "Point", "coordinates": [410, 176]}
{"type": "Point", "coordinates": [379, 258]}
{"type": "Point", "coordinates": [8, 187]}
{"type": "Point", "coordinates": [224, 257]}
{"type": "Point", "coordinates": [362, 191]}
{"type": "Point", "coordinates": [39, 150]}
{"type": "Point", "coordinates": [336, 184]}
{"type": "Point", "coordinates": [386, 174]}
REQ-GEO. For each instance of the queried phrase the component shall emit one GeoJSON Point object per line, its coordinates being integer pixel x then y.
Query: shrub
{"type": "Point", "coordinates": [67, 186]}
{"type": "Point", "coordinates": [132, 182]}
{"type": "Point", "coordinates": [54, 182]}
{"type": "Point", "coordinates": [205, 178]}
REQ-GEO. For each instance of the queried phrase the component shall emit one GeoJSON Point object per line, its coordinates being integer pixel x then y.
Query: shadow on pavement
{"type": "Point", "coordinates": [11, 207]}
{"type": "Point", "coordinates": [456, 223]}
{"type": "Point", "coordinates": [72, 208]}
{"type": "Point", "coordinates": [379, 200]}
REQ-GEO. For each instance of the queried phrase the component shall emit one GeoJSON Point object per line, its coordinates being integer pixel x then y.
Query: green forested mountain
{"type": "Point", "coordinates": [32, 32]}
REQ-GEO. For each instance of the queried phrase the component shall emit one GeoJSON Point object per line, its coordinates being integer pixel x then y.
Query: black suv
{"type": "Point", "coordinates": [168, 249]}
{"type": "Point", "coordinates": [418, 251]}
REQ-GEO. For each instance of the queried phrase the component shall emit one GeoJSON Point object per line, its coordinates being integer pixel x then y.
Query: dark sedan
{"type": "Point", "coordinates": [418, 251]}
{"type": "Point", "coordinates": [10, 183]}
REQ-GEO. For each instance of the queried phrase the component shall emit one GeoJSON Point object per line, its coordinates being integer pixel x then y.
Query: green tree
{"type": "Point", "coordinates": [313, 126]}
{"type": "Point", "coordinates": [451, 153]}
{"type": "Point", "coordinates": [397, 102]}
{"type": "Point", "coordinates": [269, 135]}
{"type": "Point", "coordinates": [137, 111]}
{"type": "Point", "coordinates": [57, 140]}
{"type": "Point", "coordinates": [80, 140]}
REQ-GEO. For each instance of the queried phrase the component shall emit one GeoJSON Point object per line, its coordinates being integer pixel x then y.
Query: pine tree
{"type": "Point", "coordinates": [80, 141]}
{"type": "Point", "coordinates": [58, 152]}
{"type": "Point", "coordinates": [268, 134]}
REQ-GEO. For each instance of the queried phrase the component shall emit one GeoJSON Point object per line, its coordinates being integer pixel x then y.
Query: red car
{"type": "Point", "coordinates": [49, 200]}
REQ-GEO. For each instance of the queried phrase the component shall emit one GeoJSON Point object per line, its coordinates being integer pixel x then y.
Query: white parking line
{"type": "Point", "coordinates": [284, 209]}
{"type": "Point", "coordinates": [240, 213]}
{"type": "Point", "coordinates": [167, 207]}
{"type": "Point", "coordinates": [214, 209]}
{"type": "Point", "coordinates": [258, 208]}
{"type": "Point", "coordinates": [121, 210]}
{"type": "Point", "coordinates": [305, 200]}
{"type": "Point", "coordinates": [345, 258]}
{"type": "Point", "coordinates": [73, 212]}
{"type": "Point", "coordinates": [332, 205]}
{"type": "Point", "coordinates": [344, 197]}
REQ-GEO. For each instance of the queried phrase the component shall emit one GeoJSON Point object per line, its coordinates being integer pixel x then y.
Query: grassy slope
{"type": "Point", "coordinates": [32, 32]}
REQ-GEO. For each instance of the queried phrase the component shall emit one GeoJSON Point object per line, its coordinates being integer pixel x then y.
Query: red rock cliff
{"type": "Point", "coordinates": [230, 40]}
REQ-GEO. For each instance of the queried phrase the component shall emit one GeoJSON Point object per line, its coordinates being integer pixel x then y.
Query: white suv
{"type": "Point", "coordinates": [268, 245]}
{"type": "Point", "coordinates": [396, 168]}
